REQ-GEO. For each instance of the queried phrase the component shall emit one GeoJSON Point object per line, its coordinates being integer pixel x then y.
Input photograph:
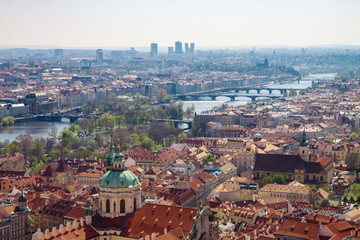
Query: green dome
{"type": "Point", "coordinates": [22, 197]}
{"type": "Point", "coordinates": [119, 179]}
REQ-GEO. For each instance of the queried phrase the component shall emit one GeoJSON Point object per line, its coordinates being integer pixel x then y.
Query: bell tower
{"type": "Point", "coordinates": [304, 151]}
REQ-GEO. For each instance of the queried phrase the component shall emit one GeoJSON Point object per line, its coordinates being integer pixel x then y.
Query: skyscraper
{"type": "Point", "coordinates": [99, 56]}
{"type": "Point", "coordinates": [187, 50]}
{"type": "Point", "coordinates": [170, 50]}
{"type": "Point", "coordinates": [58, 52]}
{"type": "Point", "coordinates": [153, 49]}
{"type": "Point", "coordinates": [192, 47]}
{"type": "Point", "coordinates": [178, 47]}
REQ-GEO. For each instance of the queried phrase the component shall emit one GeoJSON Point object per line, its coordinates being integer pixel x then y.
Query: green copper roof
{"type": "Point", "coordinates": [22, 197]}
{"type": "Point", "coordinates": [119, 179]}
{"type": "Point", "coordinates": [119, 157]}
{"type": "Point", "coordinates": [304, 142]}
{"type": "Point", "coordinates": [110, 156]}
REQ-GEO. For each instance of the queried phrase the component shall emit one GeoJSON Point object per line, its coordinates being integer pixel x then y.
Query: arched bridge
{"type": "Point", "coordinates": [58, 118]}
{"type": "Point", "coordinates": [225, 92]}
{"type": "Point", "coordinates": [176, 122]}
{"type": "Point", "coordinates": [231, 97]}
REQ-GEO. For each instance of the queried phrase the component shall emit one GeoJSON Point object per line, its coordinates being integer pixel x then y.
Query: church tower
{"type": "Point", "coordinates": [304, 150]}
{"type": "Point", "coordinates": [119, 191]}
{"type": "Point", "coordinates": [21, 216]}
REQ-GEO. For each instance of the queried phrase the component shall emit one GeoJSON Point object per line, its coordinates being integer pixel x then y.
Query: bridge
{"type": "Point", "coordinates": [223, 92]}
{"type": "Point", "coordinates": [48, 118]}
{"type": "Point", "coordinates": [176, 122]}
{"type": "Point", "coordinates": [232, 97]}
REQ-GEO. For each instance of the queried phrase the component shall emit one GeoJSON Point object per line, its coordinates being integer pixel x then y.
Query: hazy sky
{"type": "Point", "coordinates": [116, 23]}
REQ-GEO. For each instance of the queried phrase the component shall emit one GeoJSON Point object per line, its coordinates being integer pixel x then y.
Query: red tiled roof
{"type": "Point", "coordinates": [154, 218]}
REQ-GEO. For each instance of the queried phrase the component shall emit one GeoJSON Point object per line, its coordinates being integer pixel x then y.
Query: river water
{"type": "Point", "coordinates": [205, 104]}
{"type": "Point", "coordinates": [41, 129]}
{"type": "Point", "coordinates": [36, 129]}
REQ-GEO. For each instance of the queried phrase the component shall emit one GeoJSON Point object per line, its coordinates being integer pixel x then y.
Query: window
{"type": "Point", "coordinates": [122, 206]}
{"type": "Point", "coordinates": [107, 206]}
{"type": "Point", "coordinates": [115, 206]}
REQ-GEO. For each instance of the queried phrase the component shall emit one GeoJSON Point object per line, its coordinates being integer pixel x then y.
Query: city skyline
{"type": "Point", "coordinates": [87, 24]}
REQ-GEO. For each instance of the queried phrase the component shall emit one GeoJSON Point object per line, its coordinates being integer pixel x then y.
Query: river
{"type": "Point", "coordinates": [205, 104]}
{"type": "Point", "coordinates": [36, 129]}
{"type": "Point", "coordinates": [41, 129]}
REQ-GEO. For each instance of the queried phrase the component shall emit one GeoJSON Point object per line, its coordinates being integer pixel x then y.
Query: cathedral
{"type": "Point", "coordinates": [120, 214]}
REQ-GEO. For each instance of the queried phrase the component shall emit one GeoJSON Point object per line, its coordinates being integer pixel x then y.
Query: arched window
{"type": "Point", "coordinates": [122, 206]}
{"type": "Point", "coordinates": [115, 206]}
{"type": "Point", "coordinates": [134, 204]}
{"type": "Point", "coordinates": [107, 206]}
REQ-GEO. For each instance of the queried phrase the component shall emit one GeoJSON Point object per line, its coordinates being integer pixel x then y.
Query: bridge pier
{"type": "Point", "coordinates": [282, 91]}
{"type": "Point", "coordinates": [247, 90]}
{"type": "Point", "coordinates": [258, 91]}
{"type": "Point", "coordinates": [270, 91]}
{"type": "Point", "coordinates": [213, 98]}
{"type": "Point", "coordinates": [232, 97]}
{"type": "Point", "coordinates": [253, 98]}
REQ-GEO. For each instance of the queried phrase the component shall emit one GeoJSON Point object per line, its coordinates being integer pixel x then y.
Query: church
{"type": "Point", "coordinates": [304, 167]}
{"type": "Point", "coordinates": [120, 214]}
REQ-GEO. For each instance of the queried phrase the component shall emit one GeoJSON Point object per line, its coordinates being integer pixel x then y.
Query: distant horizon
{"type": "Point", "coordinates": [207, 23]}
{"type": "Point", "coordinates": [197, 47]}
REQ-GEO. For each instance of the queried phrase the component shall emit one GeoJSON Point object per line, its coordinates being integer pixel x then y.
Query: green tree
{"type": "Point", "coordinates": [134, 140]}
{"type": "Point", "coordinates": [324, 203]}
{"type": "Point", "coordinates": [99, 138]}
{"type": "Point", "coordinates": [279, 179]}
{"type": "Point", "coordinates": [12, 148]}
{"type": "Point", "coordinates": [352, 160]}
{"type": "Point", "coordinates": [38, 151]}
{"type": "Point", "coordinates": [208, 158]}
{"type": "Point", "coordinates": [148, 143]}
{"type": "Point", "coordinates": [353, 136]}
{"type": "Point", "coordinates": [8, 121]}
{"type": "Point", "coordinates": [345, 198]}
{"type": "Point", "coordinates": [326, 188]}
{"type": "Point", "coordinates": [267, 180]}
{"type": "Point", "coordinates": [55, 154]}
{"type": "Point", "coordinates": [352, 199]}
{"type": "Point", "coordinates": [313, 188]}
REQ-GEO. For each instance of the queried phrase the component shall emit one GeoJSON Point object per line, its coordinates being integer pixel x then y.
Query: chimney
{"type": "Point", "coordinates": [147, 237]}
{"type": "Point", "coordinates": [75, 224]}
{"type": "Point", "coordinates": [81, 222]}
{"type": "Point", "coordinates": [306, 230]}
{"type": "Point", "coordinates": [68, 226]}
{"type": "Point", "coordinates": [61, 229]}
{"type": "Point", "coordinates": [165, 231]}
{"type": "Point", "coordinates": [153, 236]}
{"type": "Point", "coordinates": [39, 233]}
{"type": "Point", "coordinates": [88, 220]}
{"type": "Point", "coordinates": [47, 234]}
{"type": "Point", "coordinates": [54, 231]}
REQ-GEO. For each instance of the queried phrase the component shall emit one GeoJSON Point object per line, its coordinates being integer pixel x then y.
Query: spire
{"type": "Point", "coordinates": [111, 155]}
{"type": "Point", "coordinates": [88, 208]}
{"type": "Point", "coordinates": [304, 142]}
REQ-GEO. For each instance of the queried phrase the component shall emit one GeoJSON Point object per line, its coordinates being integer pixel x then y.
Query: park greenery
{"type": "Point", "coordinates": [129, 123]}
{"type": "Point", "coordinates": [208, 158]}
{"type": "Point", "coordinates": [352, 194]}
{"type": "Point", "coordinates": [277, 178]}
{"type": "Point", "coordinates": [8, 121]}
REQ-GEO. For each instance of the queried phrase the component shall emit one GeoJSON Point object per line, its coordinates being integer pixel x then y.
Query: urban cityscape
{"type": "Point", "coordinates": [179, 138]}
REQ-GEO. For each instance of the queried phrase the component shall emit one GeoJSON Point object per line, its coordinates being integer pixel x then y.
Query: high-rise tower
{"type": "Point", "coordinates": [153, 49]}
{"type": "Point", "coordinates": [99, 56]}
{"type": "Point", "coordinates": [178, 47]}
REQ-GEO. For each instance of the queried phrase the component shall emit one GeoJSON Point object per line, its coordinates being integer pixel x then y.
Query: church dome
{"type": "Point", "coordinates": [22, 197]}
{"type": "Point", "coordinates": [119, 179]}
